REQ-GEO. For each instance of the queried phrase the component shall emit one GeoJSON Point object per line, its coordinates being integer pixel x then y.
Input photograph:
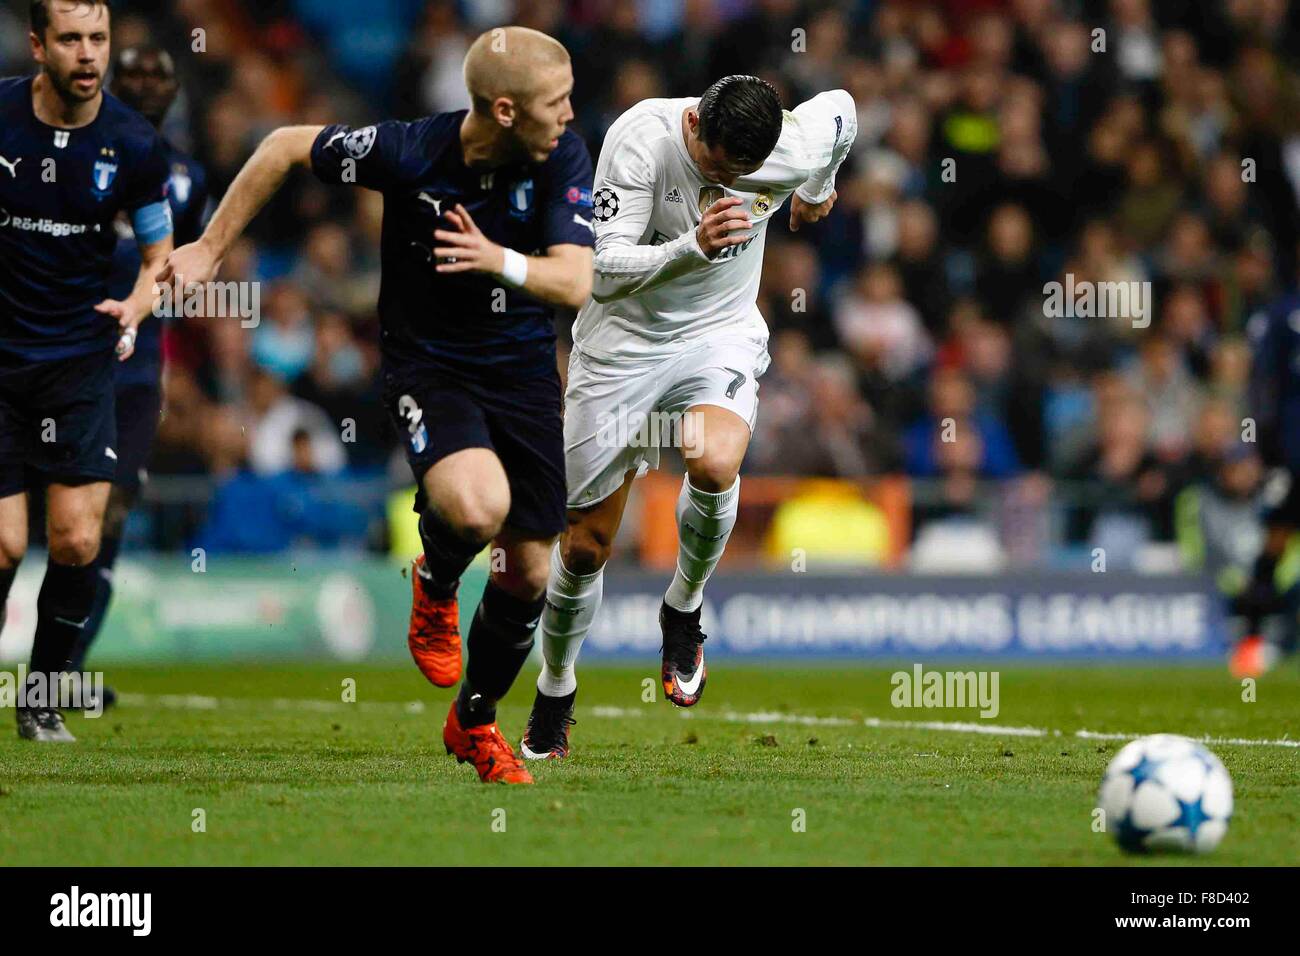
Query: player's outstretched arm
{"type": "Point", "coordinates": [256, 183]}
{"type": "Point", "coordinates": [561, 277]}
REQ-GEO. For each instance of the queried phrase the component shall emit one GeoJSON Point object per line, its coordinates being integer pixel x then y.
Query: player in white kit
{"type": "Point", "coordinates": [672, 342]}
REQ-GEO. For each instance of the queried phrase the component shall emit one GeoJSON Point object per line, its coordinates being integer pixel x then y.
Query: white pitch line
{"type": "Point", "coordinates": [199, 702]}
{"type": "Point", "coordinates": [1231, 741]}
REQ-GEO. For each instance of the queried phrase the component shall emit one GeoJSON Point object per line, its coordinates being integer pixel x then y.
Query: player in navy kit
{"type": "Point", "coordinates": [1275, 402]}
{"type": "Point", "coordinates": [72, 157]}
{"type": "Point", "coordinates": [487, 223]}
{"type": "Point", "coordinates": [145, 79]}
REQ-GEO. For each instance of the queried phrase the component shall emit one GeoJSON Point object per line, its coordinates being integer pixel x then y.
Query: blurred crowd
{"type": "Point", "coordinates": [1003, 144]}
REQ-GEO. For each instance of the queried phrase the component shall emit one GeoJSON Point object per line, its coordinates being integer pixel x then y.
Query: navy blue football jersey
{"type": "Point", "coordinates": [60, 191]}
{"type": "Point", "coordinates": [469, 322]}
{"type": "Point", "coordinates": [187, 194]}
{"type": "Point", "coordinates": [1275, 378]}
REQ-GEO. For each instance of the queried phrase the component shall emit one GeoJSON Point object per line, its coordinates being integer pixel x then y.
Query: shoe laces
{"type": "Point", "coordinates": [683, 639]}
{"type": "Point", "coordinates": [549, 726]}
{"type": "Point", "coordinates": [489, 743]}
{"type": "Point", "coordinates": [49, 718]}
{"type": "Point", "coordinates": [432, 624]}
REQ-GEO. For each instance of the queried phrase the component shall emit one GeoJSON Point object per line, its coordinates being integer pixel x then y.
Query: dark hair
{"type": "Point", "coordinates": [39, 12]}
{"type": "Point", "coordinates": [742, 114]}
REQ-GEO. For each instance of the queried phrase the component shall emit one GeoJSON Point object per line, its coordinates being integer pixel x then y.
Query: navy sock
{"type": "Point", "coordinates": [446, 555]}
{"type": "Point", "coordinates": [500, 637]}
{"type": "Point", "coordinates": [62, 610]}
{"type": "Point", "coordinates": [108, 551]}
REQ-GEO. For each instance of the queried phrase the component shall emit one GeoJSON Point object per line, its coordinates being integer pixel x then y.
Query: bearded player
{"type": "Point", "coordinates": [72, 158]}
{"type": "Point", "coordinates": [684, 192]}
{"type": "Point", "coordinates": [487, 223]}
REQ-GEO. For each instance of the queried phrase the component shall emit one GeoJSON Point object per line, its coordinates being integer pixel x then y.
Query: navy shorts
{"type": "Point", "coordinates": [57, 420]}
{"type": "Point", "coordinates": [138, 407]}
{"type": "Point", "coordinates": [437, 414]}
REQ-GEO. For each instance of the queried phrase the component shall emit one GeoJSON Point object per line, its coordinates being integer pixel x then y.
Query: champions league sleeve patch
{"type": "Point", "coordinates": [359, 142]}
{"type": "Point", "coordinates": [604, 204]}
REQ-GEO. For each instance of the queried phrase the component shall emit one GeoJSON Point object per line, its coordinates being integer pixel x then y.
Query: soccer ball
{"type": "Point", "coordinates": [1166, 793]}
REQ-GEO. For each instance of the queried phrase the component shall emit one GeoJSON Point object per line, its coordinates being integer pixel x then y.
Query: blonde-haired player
{"type": "Point", "coordinates": [486, 225]}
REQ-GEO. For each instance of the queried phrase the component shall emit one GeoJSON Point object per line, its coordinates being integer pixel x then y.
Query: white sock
{"type": "Point", "coordinates": [704, 523]}
{"type": "Point", "coordinates": [571, 603]}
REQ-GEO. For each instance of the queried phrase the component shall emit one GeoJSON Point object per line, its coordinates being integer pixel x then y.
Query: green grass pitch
{"type": "Point", "coordinates": [285, 772]}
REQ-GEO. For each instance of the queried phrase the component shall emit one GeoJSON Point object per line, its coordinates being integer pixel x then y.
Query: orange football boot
{"type": "Point", "coordinates": [1252, 657]}
{"type": "Point", "coordinates": [485, 748]}
{"type": "Point", "coordinates": [434, 634]}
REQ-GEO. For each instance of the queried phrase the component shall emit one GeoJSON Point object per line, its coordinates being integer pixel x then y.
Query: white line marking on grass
{"type": "Point", "coordinates": [1231, 741]}
{"type": "Point", "coordinates": [199, 702]}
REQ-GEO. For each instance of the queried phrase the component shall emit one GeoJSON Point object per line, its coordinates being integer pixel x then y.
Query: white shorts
{"type": "Point", "coordinates": [617, 415]}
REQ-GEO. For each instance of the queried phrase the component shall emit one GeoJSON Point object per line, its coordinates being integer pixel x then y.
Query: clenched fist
{"type": "Point", "coordinates": [721, 226]}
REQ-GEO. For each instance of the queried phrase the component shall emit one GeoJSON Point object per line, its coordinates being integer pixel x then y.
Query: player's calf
{"type": "Point", "coordinates": [450, 544]}
{"type": "Point", "coordinates": [62, 610]}
{"type": "Point", "coordinates": [500, 639]}
{"type": "Point", "coordinates": [704, 523]}
{"type": "Point", "coordinates": [572, 598]}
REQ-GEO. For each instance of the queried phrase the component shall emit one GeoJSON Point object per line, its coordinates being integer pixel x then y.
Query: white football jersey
{"type": "Point", "coordinates": [654, 290]}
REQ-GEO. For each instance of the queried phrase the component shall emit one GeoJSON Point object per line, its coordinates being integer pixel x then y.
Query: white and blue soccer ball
{"type": "Point", "coordinates": [1167, 793]}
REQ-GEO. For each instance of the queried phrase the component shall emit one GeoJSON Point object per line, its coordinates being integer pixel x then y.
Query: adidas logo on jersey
{"type": "Point", "coordinates": [674, 195]}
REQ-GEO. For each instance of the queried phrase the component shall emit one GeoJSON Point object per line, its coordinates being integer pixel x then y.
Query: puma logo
{"type": "Point", "coordinates": [435, 203]}
{"type": "Point", "coordinates": [12, 167]}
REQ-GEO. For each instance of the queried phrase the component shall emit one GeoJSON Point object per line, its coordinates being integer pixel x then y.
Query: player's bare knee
{"type": "Point", "coordinates": [585, 550]}
{"type": "Point", "coordinates": [473, 517]}
{"type": "Point", "coordinates": [525, 582]}
{"type": "Point", "coordinates": [74, 544]}
{"type": "Point", "coordinates": [713, 473]}
{"type": "Point", "coordinates": [478, 527]}
{"type": "Point", "coordinates": [478, 523]}
{"type": "Point", "coordinates": [13, 548]}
